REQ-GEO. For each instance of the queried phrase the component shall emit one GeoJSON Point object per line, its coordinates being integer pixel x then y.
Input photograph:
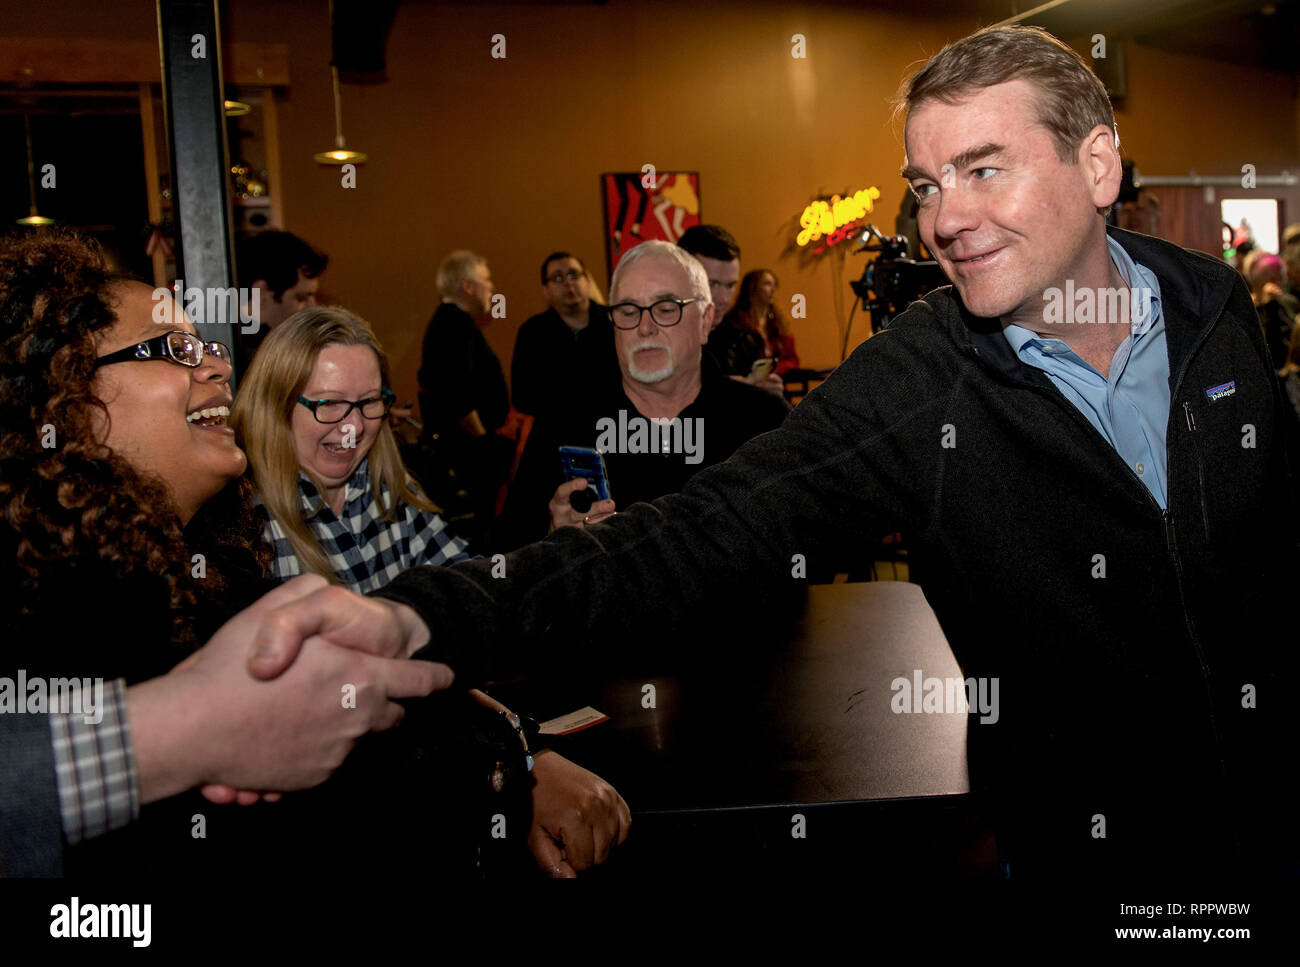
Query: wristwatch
{"type": "Point", "coordinates": [528, 731]}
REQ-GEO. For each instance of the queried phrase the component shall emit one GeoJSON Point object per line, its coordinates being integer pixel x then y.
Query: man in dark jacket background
{"type": "Point", "coordinates": [565, 352]}
{"type": "Point", "coordinates": [463, 395]}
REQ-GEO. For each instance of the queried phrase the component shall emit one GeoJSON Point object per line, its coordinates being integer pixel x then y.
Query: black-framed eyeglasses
{"type": "Point", "coordinates": [665, 313]}
{"type": "Point", "coordinates": [335, 411]}
{"type": "Point", "coordinates": [177, 346]}
{"type": "Point", "coordinates": [573, 275]}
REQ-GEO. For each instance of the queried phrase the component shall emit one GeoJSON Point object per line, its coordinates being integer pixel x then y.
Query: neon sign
{"type": "Point", "coordinates": [836, 219]}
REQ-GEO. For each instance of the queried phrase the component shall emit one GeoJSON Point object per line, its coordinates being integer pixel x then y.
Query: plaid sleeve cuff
{"type": "Point", "coordinates": [432, 542]}
{"type": "Point", "coordinates": [94, 767]}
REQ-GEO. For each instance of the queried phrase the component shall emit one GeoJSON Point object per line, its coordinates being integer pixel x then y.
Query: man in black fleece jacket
{"type": "Point", "coordinates": [1128, 607]}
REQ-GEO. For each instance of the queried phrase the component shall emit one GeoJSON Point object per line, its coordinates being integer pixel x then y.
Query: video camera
{"type": "Point", "coordinates": [892, 281]}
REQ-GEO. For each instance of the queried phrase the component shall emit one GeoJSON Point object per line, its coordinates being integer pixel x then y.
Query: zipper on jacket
{"type": "Point", "coordinates": [1170, 535]}
{"type": "Point", "coordinates": [1171, 542]}
{"type": "Point", "coordinates": [1171, 546]}
{"type": "Point", "coordinates": [1200, 466]}
{"type": "Point", "coordinates": [1184, 365]}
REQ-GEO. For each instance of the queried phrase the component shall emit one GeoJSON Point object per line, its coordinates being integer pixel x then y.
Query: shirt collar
{"type": "Point", "coordinates": [1018, 336]}
{"type": "Point", "coordinates": [1144, 307]}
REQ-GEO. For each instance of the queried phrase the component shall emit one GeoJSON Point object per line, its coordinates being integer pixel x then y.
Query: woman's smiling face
{"type": "Point", "coordinates": [156, 406]}
{"type": "Point", "coordinates": [334, 451]}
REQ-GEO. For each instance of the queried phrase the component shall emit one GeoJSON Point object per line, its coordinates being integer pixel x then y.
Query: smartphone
{"type": "Point", "coordinates": [762, 367]}
{"type": "Point", "coordinates": [585, 462]}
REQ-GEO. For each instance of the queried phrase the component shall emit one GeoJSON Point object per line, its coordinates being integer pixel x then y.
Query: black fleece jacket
{"type": "Point", "coordinates": [1145, 721]}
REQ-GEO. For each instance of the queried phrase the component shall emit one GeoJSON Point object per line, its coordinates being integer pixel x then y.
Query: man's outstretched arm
{"type": "Point", "coordinates": [857, 460]}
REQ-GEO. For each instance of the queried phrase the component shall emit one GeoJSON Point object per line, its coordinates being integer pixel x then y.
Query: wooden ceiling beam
{"type": "Point", "coordinates": [84, 60]}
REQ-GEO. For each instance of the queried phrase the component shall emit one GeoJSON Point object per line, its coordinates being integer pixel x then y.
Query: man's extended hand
{"type": "Point", "coordinates": [208, 721]}
{"type": "Point", "coordinates": [343, 618]}
{"type": "Point", "coordinates": [338, 617]}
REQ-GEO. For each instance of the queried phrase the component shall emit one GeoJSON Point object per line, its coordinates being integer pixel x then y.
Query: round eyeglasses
{"type": "Point", "coordinates": [335, 411]}
{"type": "Point", "coordinates": [665, 313]}
{"type": "Point", "coordinates": [177, 346]}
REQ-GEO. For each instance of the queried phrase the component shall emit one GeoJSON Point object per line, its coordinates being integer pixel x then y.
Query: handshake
{"type": "Point", "coordinates": [283, 692]}
{"type": "Point", "coordinates": [280, 695]}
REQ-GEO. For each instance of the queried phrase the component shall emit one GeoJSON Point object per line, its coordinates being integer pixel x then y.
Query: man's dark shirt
{"type": "Point", "coordinates": [732, 413]}
{"type": "Point", "coordinates": [459, 372]}
{"type": "Point", "coordinates": [552, 362]}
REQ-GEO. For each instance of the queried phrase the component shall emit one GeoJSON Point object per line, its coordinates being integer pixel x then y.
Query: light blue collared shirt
{"type": "Point", "coordinates": [1131, 408]}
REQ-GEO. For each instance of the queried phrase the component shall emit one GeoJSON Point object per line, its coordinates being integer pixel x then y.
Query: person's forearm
{"type": "Point", "coordinates": [161, 722]}
{"type": "Point", "coordinates": [486, 700]}
{"type": "Point", "coordinates": [653, 576]}
{"type": "Point", "coordinates": [735, 533]}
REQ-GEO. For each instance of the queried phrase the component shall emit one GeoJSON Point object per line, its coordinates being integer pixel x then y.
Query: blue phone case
{"type": "Point", "coordinates": [586, 462]}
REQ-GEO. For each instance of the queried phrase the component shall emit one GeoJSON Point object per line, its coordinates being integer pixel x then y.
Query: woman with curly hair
{"type": "Point", "coordinates": [126, 541]}
{"type": "Point", "coordinates": [127, 513]}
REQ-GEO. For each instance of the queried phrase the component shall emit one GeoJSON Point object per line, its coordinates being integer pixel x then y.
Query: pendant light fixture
{"type": "Point", "coordinates": [35, 218]}
{"type": "Point", "coordinates": [340, 154]}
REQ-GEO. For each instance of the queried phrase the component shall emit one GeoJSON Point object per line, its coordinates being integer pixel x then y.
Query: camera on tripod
{"type": "Point", "coordinates": [892, 281]}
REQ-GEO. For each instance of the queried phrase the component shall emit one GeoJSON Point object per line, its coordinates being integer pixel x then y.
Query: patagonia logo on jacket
{"type": "Point", "coordinates": [1222, 390]}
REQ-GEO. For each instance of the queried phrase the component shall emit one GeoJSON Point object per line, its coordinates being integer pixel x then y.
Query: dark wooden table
{"type": "Point", "coordinates": [794, 734]}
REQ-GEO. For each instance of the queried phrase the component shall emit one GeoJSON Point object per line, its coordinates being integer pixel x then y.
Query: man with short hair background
{"type": "Point", "coordinates": [566, 349]}
{"type": "Point", "coordinates": [285, 271]}
{"type": "Point", "coordinates": [463, 395]}
{"type": "Point", "coordinates": [717, 251]}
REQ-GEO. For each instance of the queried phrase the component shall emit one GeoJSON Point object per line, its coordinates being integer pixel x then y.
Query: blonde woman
{"type": "Point", "coordinates": [311, 415]}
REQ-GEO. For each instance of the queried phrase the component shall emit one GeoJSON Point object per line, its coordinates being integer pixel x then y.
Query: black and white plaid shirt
{"type": "Point", "coordinates": [365, 551]}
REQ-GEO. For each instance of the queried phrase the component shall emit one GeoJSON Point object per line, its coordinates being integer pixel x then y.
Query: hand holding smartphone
{"type": "Point", "coordinates": [572, 503]}
{"type": "Point", "coordinates": [589, 464]}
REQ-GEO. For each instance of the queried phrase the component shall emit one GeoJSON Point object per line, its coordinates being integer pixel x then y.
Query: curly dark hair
{"type": "Point", "coordinates": [68, 500]}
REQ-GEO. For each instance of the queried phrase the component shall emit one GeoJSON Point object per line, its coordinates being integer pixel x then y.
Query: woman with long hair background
{"type": "Point", "coordinates": [754, 329]}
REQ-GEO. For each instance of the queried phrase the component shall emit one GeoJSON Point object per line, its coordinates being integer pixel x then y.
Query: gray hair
{"type": "Point", "coordinates": [456, 268]}
{"type": "Point", "coordinates": [657, 248]}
